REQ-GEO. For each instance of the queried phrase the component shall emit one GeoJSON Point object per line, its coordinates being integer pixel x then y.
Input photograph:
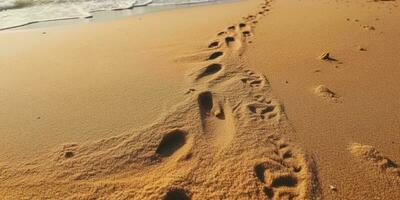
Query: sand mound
{"type": "Point", "coordinates": [326, 93]}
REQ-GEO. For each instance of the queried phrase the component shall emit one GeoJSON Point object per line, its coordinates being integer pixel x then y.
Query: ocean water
{"type": "Point", "coordinates": [15, 13]}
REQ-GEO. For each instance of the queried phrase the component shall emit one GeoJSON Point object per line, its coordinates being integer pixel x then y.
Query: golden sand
{"type": "Point", "coordinates": [213, 102]}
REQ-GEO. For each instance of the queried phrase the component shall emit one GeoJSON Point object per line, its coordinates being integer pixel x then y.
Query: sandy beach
{"type": "Point", "coordinates": [251, 99]}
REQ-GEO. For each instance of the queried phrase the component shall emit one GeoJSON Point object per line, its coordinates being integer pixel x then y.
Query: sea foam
{"type": "Point", "coordinates": [15, 13]}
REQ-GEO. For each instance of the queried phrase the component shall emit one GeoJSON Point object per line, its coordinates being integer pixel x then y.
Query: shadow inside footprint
{"type": "Point", "coordinates": [252, 109]}
{"type": "Point", "coordinates": [268, 109]}
{"type": "Point", "coordinates": [229, 40]}
{"type": "Point", "coordinates": [171, 142]}
{"type": "Point", "coordinates": [205, 100]}
{"type": "Point", "coordinates": [176, 194]}
{"type": "Point", "coordinates": [259, 171]}
{"type": "Point", "coordinates": [287, 154]}
{"type": "Point", "coordinates": [69, 154]}
{"type": "Point", "coordinates": [213, 44]}
{"type": "Point", "coordinates": [210, 69]}
{"type": "Point", "coordinates": [284, 181]}
{"type": "Point", "coordinates": [246, 33]}
{"type": "Point", "coordinates": [215, 55]}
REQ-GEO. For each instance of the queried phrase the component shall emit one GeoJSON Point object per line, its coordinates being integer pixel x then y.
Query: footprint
{"type": "Point", "coordinates": [242, 25]}
{"type": "Point", "coordinates": [213, 44]}
{"type": "Point", "coordinates": [263, 111]}
{"type": "Point", "coordinates": [215, 55]}
{"type": "Point", "coordinates": [209, 70]}
{"type": "Point", "coordinates": [287, 156]}
{"type": "Point", "coordinates": [251, 17]}
{"type": "Point", "coordinates": [232, 42]}
{"type": "Point", "coordinates": [171, 142]}
{"type": "Point", "coordinates": [373, 156]}
{"type": "Point", "coordinates": [279, 180]}
{"type": "Point", "coordinates": [176, 194]}
{"type": "Point", "coordinates": [246, 33]}
{"type": "Point", "coordinates": [254, 80]}
{"type": "Point", "coordinates": [325, 92]}
{"type": "Point", "coordinates": [206, 103]}
{"type": "Point", "coordinates": [217, 119]}
{"type": "Point", "coordinates": [229, 40]}
{"type": "Point", "coordinates": [231, 28]}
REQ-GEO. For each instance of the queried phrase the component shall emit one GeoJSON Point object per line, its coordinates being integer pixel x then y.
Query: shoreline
{"type": "Point", "coordinates": [101, 16]}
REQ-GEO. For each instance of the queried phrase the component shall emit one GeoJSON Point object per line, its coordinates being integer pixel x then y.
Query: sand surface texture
{"type": "Point", "coordinates": [247, 100]}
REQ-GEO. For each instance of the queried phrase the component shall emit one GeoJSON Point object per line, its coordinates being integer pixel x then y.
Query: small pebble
{"type": "Point", "coordinates": [325, 56]}
{"type": "Point", "coordinates": [361, 49]}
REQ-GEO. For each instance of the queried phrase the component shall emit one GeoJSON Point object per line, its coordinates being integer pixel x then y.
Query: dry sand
{"type": "Point", "coordinates": [362, 104]}
{"type": "Point", "coordinates": [230, 101]}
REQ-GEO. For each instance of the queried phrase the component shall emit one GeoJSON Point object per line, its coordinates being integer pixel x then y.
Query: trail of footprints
{"type": "Point", "coordinates": [279, 176]}
{"type": "Point", "coordinates": [231, 41]}
{"type": "Point", "coordinates": [285, 174]}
